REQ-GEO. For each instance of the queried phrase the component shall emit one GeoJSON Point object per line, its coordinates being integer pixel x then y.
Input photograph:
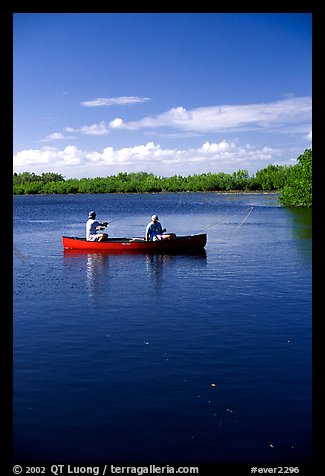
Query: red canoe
{"type": "Point", "coordinates": [176, 244]}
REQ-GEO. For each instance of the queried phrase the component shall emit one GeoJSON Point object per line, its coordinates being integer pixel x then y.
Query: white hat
{"type": "Point", "coordinates": [154, 217]}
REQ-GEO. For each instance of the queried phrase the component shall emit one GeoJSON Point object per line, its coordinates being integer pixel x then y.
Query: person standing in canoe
{"type": "Point", "coordinates": [92, 226]}
{"type": "Point", "coordinates": [154, 230]}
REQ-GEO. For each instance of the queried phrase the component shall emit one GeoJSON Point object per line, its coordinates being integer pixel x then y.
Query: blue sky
{"type": "Point", "coordinates": [168, 93]}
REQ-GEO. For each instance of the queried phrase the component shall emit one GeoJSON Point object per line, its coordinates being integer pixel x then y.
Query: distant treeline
{"type": "Point", "coordinates": [271, 178]}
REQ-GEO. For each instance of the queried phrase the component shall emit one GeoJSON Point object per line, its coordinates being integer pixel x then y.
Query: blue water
{"type": "Point", "coordinates": [157, 358]}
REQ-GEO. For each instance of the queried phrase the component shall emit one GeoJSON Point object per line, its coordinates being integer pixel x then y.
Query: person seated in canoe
{"type": "Point", "coordinates": [154, 230]}
{"type": "Point", "coordinates": [92, 226]}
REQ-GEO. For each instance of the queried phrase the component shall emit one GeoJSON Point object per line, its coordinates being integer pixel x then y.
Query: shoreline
{"type": "Point", "coordinates": [229, 192]}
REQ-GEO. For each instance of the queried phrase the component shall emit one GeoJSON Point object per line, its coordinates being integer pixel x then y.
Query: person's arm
{"type": "Point", "coordinates": [101, 226]}
{"type": "Point", "coordinates": [162, 230]}
{"type": "Point", "coordinates": [97, 225]}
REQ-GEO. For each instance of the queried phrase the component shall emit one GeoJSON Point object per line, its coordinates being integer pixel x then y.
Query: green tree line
{"type": "Point", "coordinates": [285, 179]}
{"type": "Point", "coordinates": [297, 190]}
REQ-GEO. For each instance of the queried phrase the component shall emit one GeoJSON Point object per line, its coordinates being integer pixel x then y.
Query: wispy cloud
{"type": "Point", "coordinates": [53, 137]}
{"type": "Point", "coordinates": [226, 117]}
{"type": "Point", "coordinates": [290, 113]}
{"type": "Point", "coordinates": [119, 101]}
{"type": "Point", "coordinates": [99, 129]}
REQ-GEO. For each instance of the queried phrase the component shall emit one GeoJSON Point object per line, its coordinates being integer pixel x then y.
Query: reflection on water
{"type": "Point", "coordinates": [301, 229]}
{"type": "Point", "coordinates": [154, 266]}
{"type": "Point", "coordinates": [95, 272]}
{"type": "Point", "coordinates": [156, 263]}
{"type": "Point", "coordinates": [301, 222]}
{"type": "Point", "coordinates": [96, 266]}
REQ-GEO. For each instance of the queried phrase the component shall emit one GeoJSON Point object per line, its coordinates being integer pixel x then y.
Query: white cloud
{"type": "Point", "coordinates": [53, 137]}
{"type": "Point", "coordinates": [223, 156]}
{"type": "Point", "coordinates": [220, 147]}
{"type": "Point", "coordinates": [117, 123]}
{"type": "Point", "coordinates": [228, 117]}
{"type": "Point", "coordinates": [286, 115]}
{"type": "Point", "coordinates": [99, 129]}
{"type": "Point", "coordinates": [70, 155]}
{"type": "Point", "coordinates": [290, 115]}
{"type": "Point", "coordinates": [309, 136]}
{"type": "Point", "coordinates": [120, 101]}
{"type": "Point", "coordinates": [95, 129]}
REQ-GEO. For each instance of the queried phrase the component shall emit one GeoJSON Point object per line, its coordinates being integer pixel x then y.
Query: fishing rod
{"type": "Point", "coordinates": [106, 223]}
{"type": "Point", "coordinates": [112, 221]}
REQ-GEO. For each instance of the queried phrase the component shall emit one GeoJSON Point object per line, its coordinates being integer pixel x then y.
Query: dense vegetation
{"type": "Point", "coordinates": [297, 190]}
{"type": "Point", "coordinates": [273, 177]}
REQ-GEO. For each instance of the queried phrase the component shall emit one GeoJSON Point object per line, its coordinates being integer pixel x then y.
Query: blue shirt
{"type": "Point", "coordinates": [153, 229]}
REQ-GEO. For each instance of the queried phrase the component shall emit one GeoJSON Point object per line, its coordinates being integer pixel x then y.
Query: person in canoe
{"type": "Point", "coordinates": [92, 226]}
{"type": "Point", "coordinates": [154, 230]}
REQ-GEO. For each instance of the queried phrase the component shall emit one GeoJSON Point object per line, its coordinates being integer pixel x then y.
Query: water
{"type": "Point", "coordinates": [163, 359]}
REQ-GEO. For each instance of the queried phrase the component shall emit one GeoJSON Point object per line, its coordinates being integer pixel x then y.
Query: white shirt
{"type": "Point", "coordinates": [91, 231]}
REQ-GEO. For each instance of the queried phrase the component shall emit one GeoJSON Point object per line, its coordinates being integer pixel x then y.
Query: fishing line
{"type": "Point", "coordinates": [172, 212]}
{"type": "Point", "coordinates": [163, 205]}
{"type": "Point", "coordinates": [205, 228]}
{"type": "Point", "coordinates": [250, 211]}
{"type": "Point", "coordinates": [179, 202]}
{"type": "Point", "coordinates": [220, 221]}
